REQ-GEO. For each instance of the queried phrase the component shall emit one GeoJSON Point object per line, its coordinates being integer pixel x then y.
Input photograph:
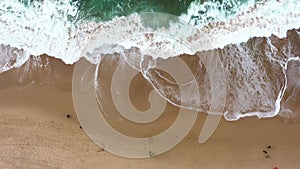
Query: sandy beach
{"type": "Point", "coordinates": [35, 133]}
{"type": "Point", "coordinates": [238, 59]}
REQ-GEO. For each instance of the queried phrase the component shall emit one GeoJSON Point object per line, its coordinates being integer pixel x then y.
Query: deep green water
{"type": "Point", "coordinates": [105, 10]}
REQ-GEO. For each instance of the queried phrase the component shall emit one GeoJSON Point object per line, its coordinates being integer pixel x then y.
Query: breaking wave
{"type": "Point", "coordinates": [258, 43]}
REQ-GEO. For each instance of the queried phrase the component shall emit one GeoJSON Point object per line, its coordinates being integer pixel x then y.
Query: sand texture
{"type": "Point", "coordinates": [35, 133]}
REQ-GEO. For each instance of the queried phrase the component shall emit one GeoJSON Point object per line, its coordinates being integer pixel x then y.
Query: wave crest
{"type": "Point", "coordinates": [261, 71]}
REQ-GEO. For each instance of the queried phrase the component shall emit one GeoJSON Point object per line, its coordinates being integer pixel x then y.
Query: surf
{"type": "Point", "coordinates": [245, 33]}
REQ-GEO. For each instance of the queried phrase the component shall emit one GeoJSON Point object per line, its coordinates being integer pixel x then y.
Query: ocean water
{"type": "Point", "coordinates": [256, 42]}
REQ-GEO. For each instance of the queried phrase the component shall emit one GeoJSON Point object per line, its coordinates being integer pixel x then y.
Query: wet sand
{"type": "Point", "coordinates": [35, 133]}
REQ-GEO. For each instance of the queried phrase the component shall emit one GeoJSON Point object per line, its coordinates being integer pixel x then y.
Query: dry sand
{"type": "Point", "coordinates": [35, 133]}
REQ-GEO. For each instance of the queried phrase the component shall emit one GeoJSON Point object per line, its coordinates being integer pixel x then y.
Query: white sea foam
{"type": "Point", "coordinates": [11, 57]}
{"type": "Point", "coordinates": [44, 28]}
{"type": "Point", "coordinates": [39, 30]}
{"type": "Point", "coordinates": [260, 20]}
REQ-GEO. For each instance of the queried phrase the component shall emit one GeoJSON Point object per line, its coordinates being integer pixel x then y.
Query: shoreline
{"type": "Point", "coordinates": [36, 133]}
